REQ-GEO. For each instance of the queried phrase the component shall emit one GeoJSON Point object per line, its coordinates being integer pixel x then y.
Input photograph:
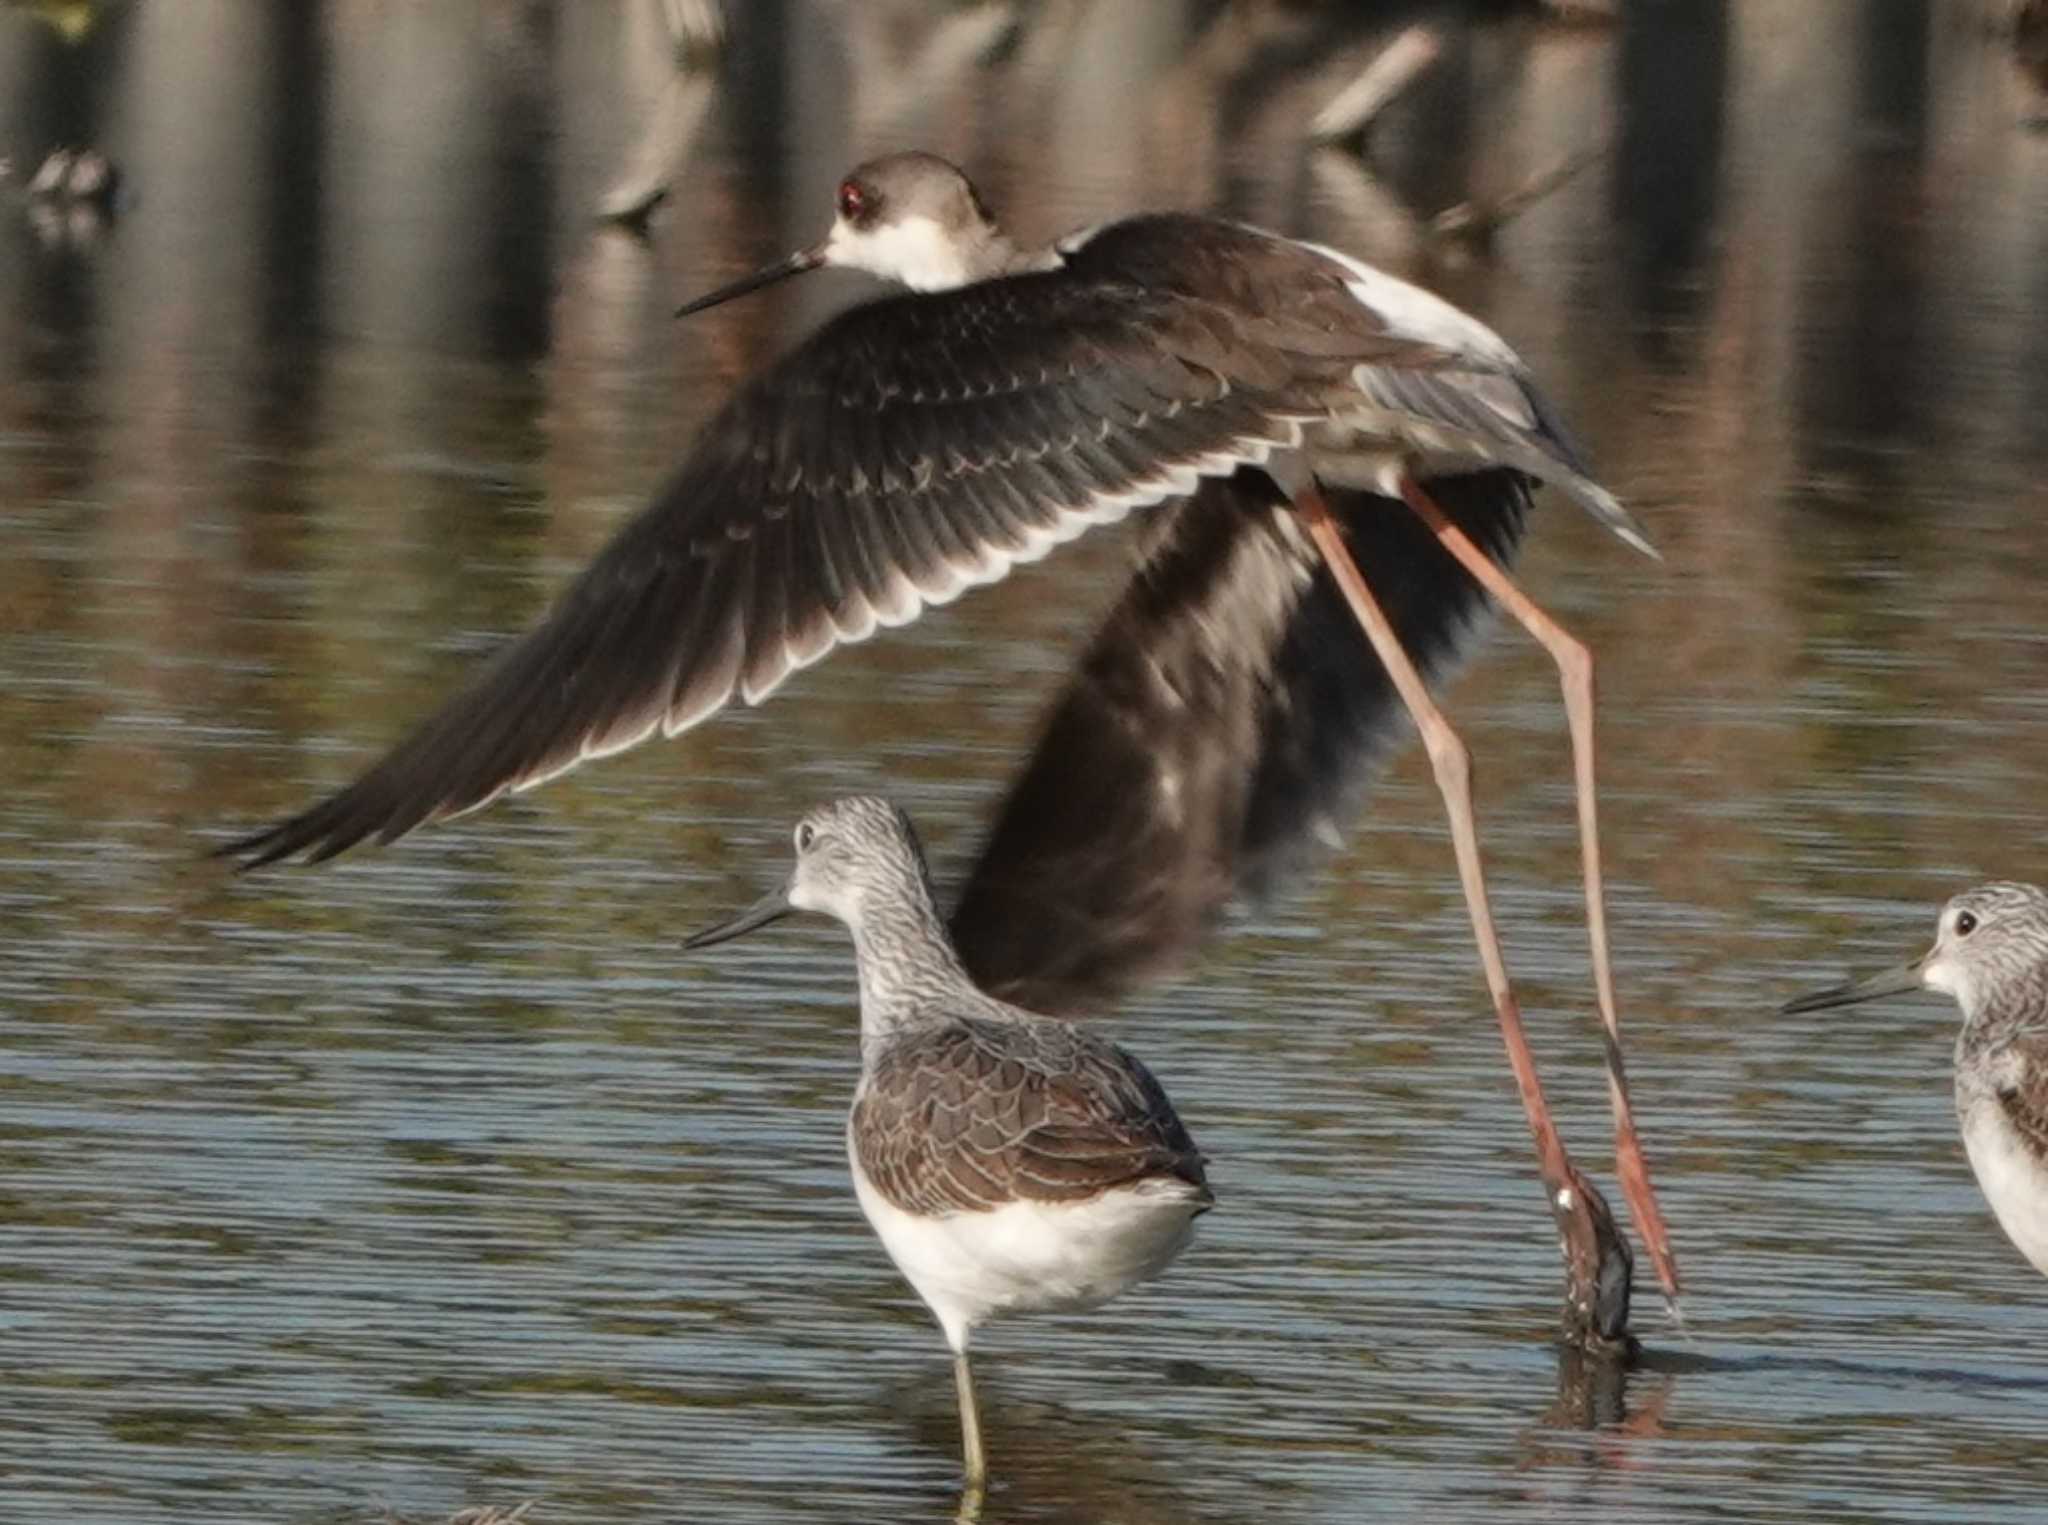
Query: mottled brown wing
{"type": "Point", "coordinates": [970, 1118]}
{"type": "Point", "coordinates": [2025, 1100]}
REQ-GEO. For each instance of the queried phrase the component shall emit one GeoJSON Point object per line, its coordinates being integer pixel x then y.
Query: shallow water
{"type": "Point", "coordinates": [439, 1175]}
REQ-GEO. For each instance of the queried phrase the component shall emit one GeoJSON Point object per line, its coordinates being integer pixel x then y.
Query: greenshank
{"type": "Point", "coordinates": [1007, 1161]}
{"type": "Point", "coordinates": [1991, 953]}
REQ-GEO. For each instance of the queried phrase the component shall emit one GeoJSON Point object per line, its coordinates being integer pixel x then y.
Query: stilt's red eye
{"type": "Point", "coordinates": [852, 200]}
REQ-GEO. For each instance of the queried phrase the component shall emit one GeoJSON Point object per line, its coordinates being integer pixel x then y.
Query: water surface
{"type": "Point", "coordinates": [439, 1175]}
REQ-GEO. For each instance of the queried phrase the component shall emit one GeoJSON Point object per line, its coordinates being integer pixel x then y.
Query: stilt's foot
{"type": "Point", "coordinates": [1598, 1270]}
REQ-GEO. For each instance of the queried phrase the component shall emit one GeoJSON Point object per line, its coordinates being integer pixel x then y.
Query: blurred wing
{"type": "Point", "coordinates": [1224, 720]}
{"type": "Point", "coordinates": [912, 449]}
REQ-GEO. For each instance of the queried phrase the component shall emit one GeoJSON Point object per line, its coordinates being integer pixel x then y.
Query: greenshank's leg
{"type": "Point", "coordinates": [1575, 673]}
{"type": "Point", "coordinates": [970, 1426]}
{"type": "Point", "coordinates": [1568, 1191]}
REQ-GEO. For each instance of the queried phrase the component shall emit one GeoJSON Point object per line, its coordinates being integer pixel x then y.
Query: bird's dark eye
{"type": "Point", "coordinates": [852, 200]}
{"type": "Point", "coordinates": [806, 834]}
{"type": "Point", "coordinates": [1965, 924]}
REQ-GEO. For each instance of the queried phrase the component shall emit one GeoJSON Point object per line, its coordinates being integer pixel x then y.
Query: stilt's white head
{"type": "Point", "coordinates": [912, 218]}
{"type": "Point", "coordinates": [915, 219]}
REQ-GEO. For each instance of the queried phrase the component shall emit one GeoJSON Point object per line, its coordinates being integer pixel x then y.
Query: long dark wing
{"type": "Point", "coordinates": [974, 1116]}
{"type": "Point", "coordinates": [909, 450]}
{"type": "Point", "coordinates": [1224, 720]}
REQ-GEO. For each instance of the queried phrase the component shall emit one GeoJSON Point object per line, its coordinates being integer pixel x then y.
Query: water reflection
{"type": "Point", "coordinates": [1671, 76]}
{"type": "Point", "coordinates": [1592, 1426]}
{"type": "Point", "coordinates": [438, 1177]}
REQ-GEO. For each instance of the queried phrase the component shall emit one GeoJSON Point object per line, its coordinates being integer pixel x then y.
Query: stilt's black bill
{"type": "Point", "coordinates": [781, 270]}
{"type": "Point", "coordinates": [772, 906]}
{"type": "Point", "coordinates": [1892, 982]}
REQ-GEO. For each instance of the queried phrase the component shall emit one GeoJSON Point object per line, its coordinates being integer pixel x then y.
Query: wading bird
{"type": "Point", "coordinates": [1991, 953]}
{"type": "Point", "coordinates": [1007, 1161]}
{"type": "Point", "coordinates": [1273, 391]}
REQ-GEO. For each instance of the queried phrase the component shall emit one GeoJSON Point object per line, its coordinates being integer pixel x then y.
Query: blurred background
{"type": "Point", "coordinates": [438, 1177]}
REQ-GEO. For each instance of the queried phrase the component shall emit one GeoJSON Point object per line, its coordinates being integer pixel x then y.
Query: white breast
{"type": "Point", "coordinates": [969, 1267]}
{"type": "Point", "coordinates": [913, 250]}
{"type": "Point", "coordinates": [2014, 1181]}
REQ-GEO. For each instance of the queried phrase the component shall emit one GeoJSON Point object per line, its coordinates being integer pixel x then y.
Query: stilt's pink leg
{"type": "Point", "coordinates": [1575, 672]}
{"type": "Point", "coordinates": [1569, 1192]}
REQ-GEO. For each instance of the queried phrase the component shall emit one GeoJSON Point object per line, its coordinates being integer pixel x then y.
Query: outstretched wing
{"type": "Point", "coordinates": [1224, 719]}
{"type": "Point", "coordinates": [970, 1117]}
{"type": "Point", "coordinates": [911, 449]}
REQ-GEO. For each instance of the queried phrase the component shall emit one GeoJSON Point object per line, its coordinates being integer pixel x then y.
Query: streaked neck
{"type": "Point", "coordinates": [1993, 1017]}
{"type": "Point", "coordinates": [909, 973]}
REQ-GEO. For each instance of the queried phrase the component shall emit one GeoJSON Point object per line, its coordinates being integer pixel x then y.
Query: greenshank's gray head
{"type": "Point", "coordinates": [852, 855]}
{"type": "Point", "coordinates": [1991, 942]}
{"type": "Point", "coordinates": [1991, 953]}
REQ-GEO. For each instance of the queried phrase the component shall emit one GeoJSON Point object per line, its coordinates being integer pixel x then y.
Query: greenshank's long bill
{"type": "Point", "coordinates": [1991, 953]}
{"type": "Point", "coordinates": [1008, 1161]}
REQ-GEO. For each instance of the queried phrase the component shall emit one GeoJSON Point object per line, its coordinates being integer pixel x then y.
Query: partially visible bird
{"type": "Point", "coordinates": [1991, 953]}
{"type": "Point", "coordinates": [1008, 1161]}
{"type": "Point", "coordinates": [82, 175]}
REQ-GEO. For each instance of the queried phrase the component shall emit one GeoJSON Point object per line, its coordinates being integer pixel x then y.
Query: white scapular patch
{"type": "Point", "coordinates": [1413, 313]}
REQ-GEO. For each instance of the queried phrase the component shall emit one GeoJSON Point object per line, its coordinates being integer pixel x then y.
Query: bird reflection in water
{"type": "Point", "coordinates": [1593, 1398]}
{"type": "Point", "coordinates": [1067, 1468]}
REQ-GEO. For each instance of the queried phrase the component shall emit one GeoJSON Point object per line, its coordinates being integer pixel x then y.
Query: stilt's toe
{"type": "Point", "coordinates": [1599, 1269]}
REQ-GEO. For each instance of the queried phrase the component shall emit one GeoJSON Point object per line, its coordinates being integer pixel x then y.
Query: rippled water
{"type": "Point", "coordinates": [439, 1175]}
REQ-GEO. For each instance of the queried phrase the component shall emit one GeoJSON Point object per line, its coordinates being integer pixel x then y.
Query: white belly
{"type": "Point", "coordinates": [2014, 1181]}
{"type": "Point", "coordinates": [970, 1266]}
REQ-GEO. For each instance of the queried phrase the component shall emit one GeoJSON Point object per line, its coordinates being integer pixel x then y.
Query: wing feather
{"type": "Point", "coordinates": [909, 449]}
